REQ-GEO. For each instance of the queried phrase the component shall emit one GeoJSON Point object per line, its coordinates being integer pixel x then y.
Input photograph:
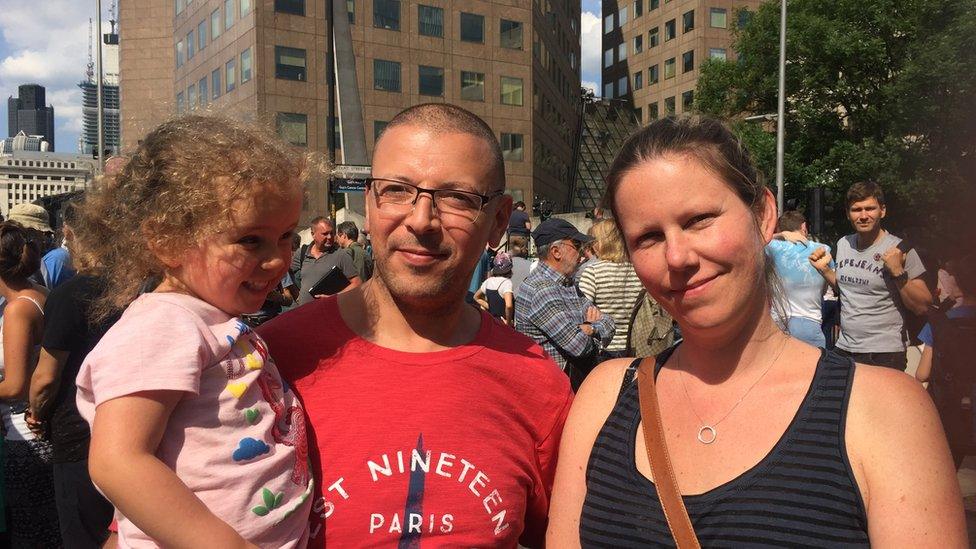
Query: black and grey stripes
{"type": "Point", "coordinates": [802, 494]}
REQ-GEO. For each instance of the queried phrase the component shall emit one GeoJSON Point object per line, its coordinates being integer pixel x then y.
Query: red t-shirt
{"type": "Point", "coordinates": [456, 447]}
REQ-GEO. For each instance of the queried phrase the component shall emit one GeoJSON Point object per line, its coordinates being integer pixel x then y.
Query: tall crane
{"type": "Point", "coordinates": [90, 71]}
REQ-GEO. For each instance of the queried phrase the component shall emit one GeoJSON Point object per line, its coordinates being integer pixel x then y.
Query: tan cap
{"type": "Point", "coordinates": [30, 216]}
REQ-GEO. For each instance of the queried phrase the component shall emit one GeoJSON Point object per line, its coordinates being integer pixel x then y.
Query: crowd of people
{"type": "Point", "coordinates": [181, 370]}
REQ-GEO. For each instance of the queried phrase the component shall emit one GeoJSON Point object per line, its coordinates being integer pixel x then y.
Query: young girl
{"type": "Point", "coordinates": [195, 439]}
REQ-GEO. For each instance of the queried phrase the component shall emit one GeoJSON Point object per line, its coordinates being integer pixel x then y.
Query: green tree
{"type": "Point", "coordinates": [876, 89]}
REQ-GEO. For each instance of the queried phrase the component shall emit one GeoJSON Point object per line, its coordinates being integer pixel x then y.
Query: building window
{"type": "Point", "coordinates": [179, 103]}
{"type": "Point", "coordinates": [511, 91]}
{"type": "Point", "coordinates": [511, 34]}
{"type": "Point", "coordinates": [718, 18]}
{"type": "Point", "coordinates": [638, 115]}
{"type": "Point", "coordinates": [622, 16]}
{"type": "Point", "coordinates": [386, 75]}
{"type": "Point", "coordinates": [669, 68]}
{"type": "Point", "coordinates": [687, 99]}
{"type": "Point", "coordinates": [472, 28]}
{"type": "Point", "coordinates": [717, 53]}
{"type": "Point", "coordinates": [622, 86]}
{"type": "Point", "coordinates": [228, 14]}
{"type": "Point", "coordinates": [608, 58]}
{"type": "Point", "coordinates": [204, 92]}
{"type": "Point", "coordinates": [191, 97]}
{"type": "Point", "coordinates": [608, 90]}
{"type": "Point", "coordinates": [473, 86]}
{"type": "Point", "coordinates": [638, 8]}
{"type": "Point", "coordinates": [638, 43]}
{"type": "Point", "coordinates": [652, 75]}
{"type": "Point", "coordinates": [652, 113]}
{"type": "Point", "coordinates": [215, 88]}
{"type": "Point", "coordinates": [669, 106]}
{"type": "Point", "coordinates": [512, 146]}
{"type": "Point", "coordinates": [688, 61]}
{"type": "Point", "coordinates": [179, 54]}
{"type": "Point", "coordinates": [214, 25]}
{"type": "Point", "coordinates": [289, 63]}
{"type": "Point", "coordinates": [293, 128]}
{"type": "Point", "coordinates": [230, 74]}
{"type": "Point", "coordinates": [653, 37]}
{"type": "Point", "coordinates": [378, 127]}
{"type": "Point", "coordinates": [688, 21]}
{"type": "Point", "coordinates": [202, 35]}
{"type": "Point", "coordinates": [430, 21]}
{"type": "Point", "coordinates": [638, 80]}
{"type": "Point", "coordinates": [351, 11]}
{"type": "Point", "coordinates": [190, 45]}
{"type": "Point", "coordinates": [431, 80]}
{"type": "Point", "coordinates": [386, 14]}
{"type": "Point", "coordinates": [669, 30]}
{"type": "Point", "coordinates": [653, 5]}
{"type": "Point", "coordinates": [622, 51]}
{"type": "Point", "coordinates": [180, 6]}
{"type": "Point", "coordinates": [743, 18]}
{"type": "Point", "coordinates": [245, 7]}
{"type": "Point", "coordinates": [608, 24]}
{"type": "Point", "coordinates": [294, 7]}
{"type": "Point", "coordinates": [245, 65]}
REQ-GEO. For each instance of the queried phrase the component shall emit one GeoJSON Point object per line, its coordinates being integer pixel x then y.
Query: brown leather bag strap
{"type": "Point", "coordinates": [657, 455]}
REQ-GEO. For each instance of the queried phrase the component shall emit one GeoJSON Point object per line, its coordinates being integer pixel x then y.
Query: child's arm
{"type": "Point", "coordinates": [122, 463]}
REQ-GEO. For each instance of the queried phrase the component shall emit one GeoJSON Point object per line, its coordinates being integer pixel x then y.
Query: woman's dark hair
{"type": "Point", "coordinates": [20, 255]}
{"type": "Point", "coordinates": [710, 142]}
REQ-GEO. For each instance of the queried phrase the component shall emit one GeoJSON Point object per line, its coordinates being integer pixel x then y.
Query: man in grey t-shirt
{"type": "Point", "coordinates": [877, 281]}
{"type": "Point", "coordinates": [321, 256]}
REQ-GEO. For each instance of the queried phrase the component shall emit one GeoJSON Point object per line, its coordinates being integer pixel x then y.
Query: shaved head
{"type": "Point", "coordinates": [444, 118]}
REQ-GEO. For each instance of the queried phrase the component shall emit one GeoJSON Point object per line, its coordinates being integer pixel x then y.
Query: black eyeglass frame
{"type": "Point", "coordinates": [485, 198]}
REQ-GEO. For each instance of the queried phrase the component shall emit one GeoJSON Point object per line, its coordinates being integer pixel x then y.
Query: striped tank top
{"type": "Point", "coordinates": [802, 494]}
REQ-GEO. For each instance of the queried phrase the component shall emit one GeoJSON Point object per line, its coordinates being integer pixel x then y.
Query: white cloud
{"type": "Point", "coordinates": [591, 47]}
{"type": "Point", "coordinates": [46, 43]}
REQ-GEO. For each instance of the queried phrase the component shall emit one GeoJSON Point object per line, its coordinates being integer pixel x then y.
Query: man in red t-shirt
{"type": "Point", "coordinates": [432, 424]}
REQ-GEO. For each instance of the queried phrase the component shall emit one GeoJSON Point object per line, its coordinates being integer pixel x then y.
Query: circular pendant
{"type": "Point", "coordinates": [708, 438]}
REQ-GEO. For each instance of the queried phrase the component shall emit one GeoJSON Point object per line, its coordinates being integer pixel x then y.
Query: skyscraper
{"type": "Point", "coordinates": [653, 49]}
{"type": "Point", "coordinates": [29, 113]}
{"type": "Point", "coordinates": [514, 63]}
{"type": "Point", "coordinates": [110, 100]}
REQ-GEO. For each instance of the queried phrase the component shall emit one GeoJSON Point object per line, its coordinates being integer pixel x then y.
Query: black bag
{"type": "Point", "coordinates": [953, 378]}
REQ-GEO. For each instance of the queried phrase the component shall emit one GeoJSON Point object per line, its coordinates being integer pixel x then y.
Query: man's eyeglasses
{"type": "Point", "coordinates": [398, 198]}
{"type": "Point", "coordinates": [576, 244]}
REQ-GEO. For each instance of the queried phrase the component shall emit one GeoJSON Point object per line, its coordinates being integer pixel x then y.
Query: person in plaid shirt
{"type": "Point", "coordinates": [550, 309]}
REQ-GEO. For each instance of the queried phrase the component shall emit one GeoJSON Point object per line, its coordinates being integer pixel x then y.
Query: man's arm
{"type": "Point", "coordinates": [44, 382]}
{"type": "Point", "coordinates": [820, 259]}
{"type": "Point", "coordinates": [547, 312]}
{"type": "Point", "coordinates": [906, 271]}
{"type": "Point", "coordinates": [602, 324]}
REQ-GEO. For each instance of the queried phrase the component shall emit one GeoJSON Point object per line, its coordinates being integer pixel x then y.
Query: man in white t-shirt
{"type": "Point", "coordinates": [801, 309]}
{"type": "Point", "coordinates": [877, 280]}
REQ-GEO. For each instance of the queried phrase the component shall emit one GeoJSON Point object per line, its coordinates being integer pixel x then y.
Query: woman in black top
{"type": "Point", "coordinates": [773, 442]}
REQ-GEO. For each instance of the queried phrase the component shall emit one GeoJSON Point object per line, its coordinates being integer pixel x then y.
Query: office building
{"type": "Point", "coordinates": [653, 49]}
{"type": "Point", "coordinates": [30, 176]}
{"type": "Point", "coordinates": [29, 113]}
{"type": "Point", "coordinates": [515, 64]}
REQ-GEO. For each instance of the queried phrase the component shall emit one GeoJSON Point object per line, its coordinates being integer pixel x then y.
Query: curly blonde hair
{"type": "Point", "coordinates": [178, 188]}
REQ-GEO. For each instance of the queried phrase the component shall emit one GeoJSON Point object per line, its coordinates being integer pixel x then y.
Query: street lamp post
{"type": "Point", "coordinates": [780, 118]}
{"type": "Point", "coordinates": [98, 88]}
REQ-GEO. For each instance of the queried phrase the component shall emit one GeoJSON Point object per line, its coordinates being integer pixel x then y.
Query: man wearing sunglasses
{"type": "Point", "coordinates": [551, 310]}
{"type": "Point", "coordinates": [431, 423]}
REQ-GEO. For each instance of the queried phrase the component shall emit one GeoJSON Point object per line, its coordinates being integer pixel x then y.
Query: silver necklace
{"type": "Point", "coordinates": [707, 432]}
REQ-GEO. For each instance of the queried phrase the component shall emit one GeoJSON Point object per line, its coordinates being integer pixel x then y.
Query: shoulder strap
{"type": "Point", "coordinates": [675, 512]}
{"type": "Point", "coordinates": [34, 301]}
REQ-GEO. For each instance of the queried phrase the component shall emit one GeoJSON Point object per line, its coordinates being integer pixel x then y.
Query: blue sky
{"type": "Point", "coordinates": [46, 42]}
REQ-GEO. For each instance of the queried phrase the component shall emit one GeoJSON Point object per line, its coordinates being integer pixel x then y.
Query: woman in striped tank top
{"type": "Point", "coordinates": [773, 442]}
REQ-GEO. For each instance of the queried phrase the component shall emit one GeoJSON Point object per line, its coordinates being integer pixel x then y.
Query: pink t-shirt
{"type": "Point", "coordinates": [237, 438]}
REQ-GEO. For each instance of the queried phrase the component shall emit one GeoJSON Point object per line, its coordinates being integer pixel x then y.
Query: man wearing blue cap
{"type": "Point", "coordinates": [550, 309]}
